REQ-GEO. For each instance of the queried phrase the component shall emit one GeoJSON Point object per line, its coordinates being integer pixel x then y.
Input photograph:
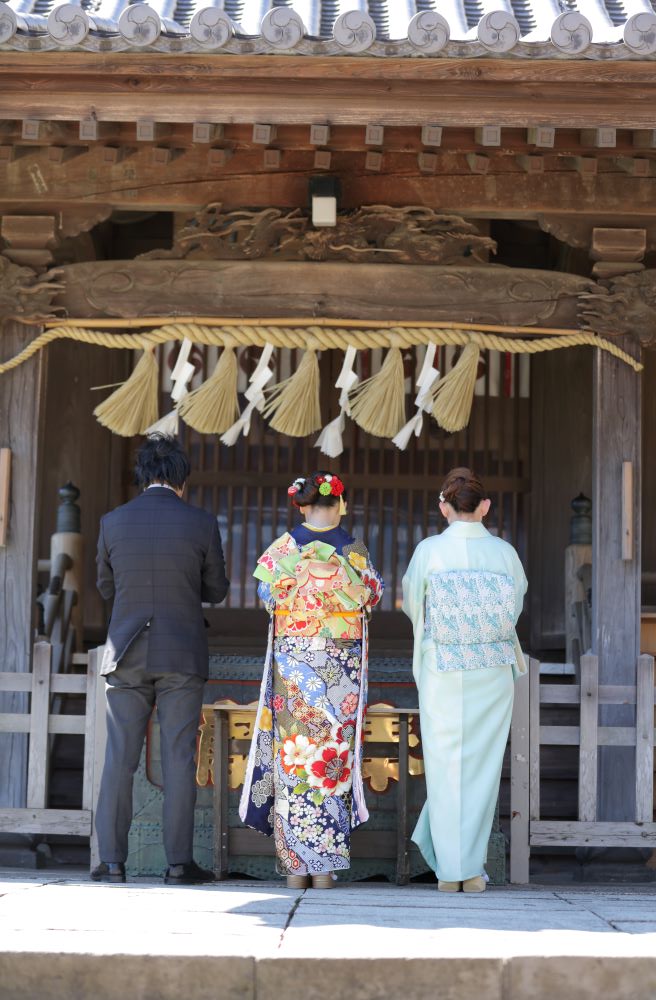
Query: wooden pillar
{"type": "Point", "coordinates": [20, 430]}
{"type": "Point", "coordinates": [616, 511]}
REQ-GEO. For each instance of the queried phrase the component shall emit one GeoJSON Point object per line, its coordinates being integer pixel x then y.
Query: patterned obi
{"type": "Point", "coordinates": [470, 616]}
{"type": "Point", "coordinates": [329, 623]}
{"type": "Point", "coordinates": [312, 591]}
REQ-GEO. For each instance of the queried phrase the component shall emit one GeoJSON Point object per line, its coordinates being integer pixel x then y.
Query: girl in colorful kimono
{"type": "Point", "coordinates": [463, 591]}
{"type": "Point", "coordinates": [303, 781]}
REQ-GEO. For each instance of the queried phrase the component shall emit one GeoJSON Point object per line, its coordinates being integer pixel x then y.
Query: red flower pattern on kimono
{"type": "Point", "coordinates": [330, 769]}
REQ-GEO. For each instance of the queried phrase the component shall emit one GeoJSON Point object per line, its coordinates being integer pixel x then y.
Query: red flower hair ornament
{"type": "Point", "coordinates": [330, 486]}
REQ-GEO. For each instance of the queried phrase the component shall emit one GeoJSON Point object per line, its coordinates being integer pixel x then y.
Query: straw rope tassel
{"type": "Point", "coordinates": [378, 404]}
{"type": "Point", "coordinates": [454, 395]}
{"type": "Point", "coordinates": [213, 407]}
{"type": "Point", "coordinates": [133, 407]}
{"type": "Point", "coordinates": [293, 406]}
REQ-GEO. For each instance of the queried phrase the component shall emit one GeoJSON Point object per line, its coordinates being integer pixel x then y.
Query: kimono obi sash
{"type": "Point", "coordinates": [328, 623]}
{"type": "Point", "coordinates": [317, 593]}
{"type": "Point", "coordinates": [470, 616]}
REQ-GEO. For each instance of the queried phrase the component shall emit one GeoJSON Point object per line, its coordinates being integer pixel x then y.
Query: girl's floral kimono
{"type": "Point", "coordinates": [303, 781]}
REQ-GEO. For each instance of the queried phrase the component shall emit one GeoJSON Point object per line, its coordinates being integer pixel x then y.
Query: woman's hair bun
{"type": "Point", "coordinates": [309, 492]}
{"type": "Point", "coordinates": [463, 490]}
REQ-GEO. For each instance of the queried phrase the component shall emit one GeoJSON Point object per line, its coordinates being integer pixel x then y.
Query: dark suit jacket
{"type": "Point", "coordinates": [159, 558]}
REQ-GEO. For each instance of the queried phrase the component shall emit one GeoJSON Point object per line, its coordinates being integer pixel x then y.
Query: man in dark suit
{"type": "Point", "coordinates": [158, 558]}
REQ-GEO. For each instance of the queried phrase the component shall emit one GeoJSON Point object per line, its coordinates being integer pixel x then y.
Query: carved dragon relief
{"type": "Point", "coordinates": [374, 233]}
{"type": "Point", "coordinates": [412, 235]}
{"type": "Point", "coordinates": [26, 296]}
{"type": "Point", "coordinates": [622, 305]}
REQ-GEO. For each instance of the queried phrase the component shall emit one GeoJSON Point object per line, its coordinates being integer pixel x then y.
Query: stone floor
{"type": "Point", "coordinates": [62, 936]}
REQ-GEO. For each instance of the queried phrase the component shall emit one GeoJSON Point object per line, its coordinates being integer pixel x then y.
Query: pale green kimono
{"type": "Point", "coordinates": [465, 713]}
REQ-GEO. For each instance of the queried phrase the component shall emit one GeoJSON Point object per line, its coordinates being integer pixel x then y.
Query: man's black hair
{"type": "Point", "coordinates": [161, 459]}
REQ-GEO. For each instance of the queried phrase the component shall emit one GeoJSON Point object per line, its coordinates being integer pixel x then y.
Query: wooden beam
{"type": "Point", "coordinates": [131, 67]}
{"type": "Point", "coordinates": [5, 493]}
{"type": "Point", "coordinates": [274, 90]}
{"type": "Point", "coordinates": [190, 182]}
{"type": "Point", "coordinates": [21, 399]}
{"type": "Point", "coordinates": [346, 138]}
{"type": "Point", "coordinates": [615, 580]}
{"type": "Point", "coordinates": [333, 290]}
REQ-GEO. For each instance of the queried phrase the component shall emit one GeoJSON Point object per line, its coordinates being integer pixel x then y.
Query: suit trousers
{"type": "Point", "coordinates": [132, 691]}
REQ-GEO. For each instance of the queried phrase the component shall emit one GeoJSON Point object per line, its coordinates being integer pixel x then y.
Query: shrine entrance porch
{"type": "Point", "coordinates": [63, 936]}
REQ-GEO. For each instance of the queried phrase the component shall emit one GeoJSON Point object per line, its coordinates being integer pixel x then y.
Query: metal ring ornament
{"type": "Point", "coordinates": [571, 32]}
{"type": "Point", "coordinates": [354, 30]}
{"type": "Point", "coordinates": [428, 31]}
{"type": "Point", "coordinates": [8, 23]}
{"type": "Point", "coordinates": [140, 25]}
{"type": "Point", "coordinates": [68, 24]}
{"type": "Point", "coordinates": [282, 27]}
{"type": "Point", "coordinates": [211, 28]}
{"type": "Point", "coordinates": [498, 31]}
{"type": "Point", "coordinates": [640, 33]}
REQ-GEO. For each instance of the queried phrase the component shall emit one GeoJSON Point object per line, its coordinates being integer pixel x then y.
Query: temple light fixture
{"type": "Point", "coordinates": [324, 191]}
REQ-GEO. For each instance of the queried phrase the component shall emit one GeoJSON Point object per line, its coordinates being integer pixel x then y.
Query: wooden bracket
{"type": "Point", "coordinates": [373, 160]}
{"type": "Point", "coordinates": [637, 166]}
{"type": "Point", "coordinates": [374, 135]}
{"type": "Point", "coordinates": [206, 132]}
{"type": "Point", "coordinates": [541, 135]}
{"type": "Point", "coordinates": [599, 138]}
{"type": "Point", "coordinates": [431, 135]}
{"type": "Point", "coordinates": [531, 164]}
{"type": "Point", "coordinates": [319, 135]}
{"type": "Point", "coordinates": [263, 134]}
{"type": "Point", "coordinates": [218, 157]}
{"type": "Point", "coordinates": [488, 135]}
{"type": "Point", "coordinates": [427, 162]}
{"type": "Point", "coordinates": [645, 138]}
{"type": "Point", "coordinates": [322, 159]}
{"type": "Point", "coordinates": [478, 164]}
{"type": "Point", "coordinates": [271, 159]}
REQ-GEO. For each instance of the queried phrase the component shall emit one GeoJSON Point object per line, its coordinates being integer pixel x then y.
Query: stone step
{"type": "Point", "coordinates": [73, 939]}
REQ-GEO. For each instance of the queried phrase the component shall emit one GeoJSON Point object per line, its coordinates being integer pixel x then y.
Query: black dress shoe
{"type": "Point", "coordinates": [188, 874]}
{"type": "Point", "coordinates": [109, 871]}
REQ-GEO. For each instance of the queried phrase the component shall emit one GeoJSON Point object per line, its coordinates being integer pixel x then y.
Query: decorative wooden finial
{"type": "Point", "coordinates": [68, 512]}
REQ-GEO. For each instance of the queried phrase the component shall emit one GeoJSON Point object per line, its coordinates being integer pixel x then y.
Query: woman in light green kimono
{"type": "Point", "coordinates": [463, 592]}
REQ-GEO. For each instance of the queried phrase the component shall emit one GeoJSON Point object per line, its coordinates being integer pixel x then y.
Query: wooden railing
{"type": "Point", "coordinates": [40, 723]}
{"type": "Point", "coordinates": [528, 735]}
